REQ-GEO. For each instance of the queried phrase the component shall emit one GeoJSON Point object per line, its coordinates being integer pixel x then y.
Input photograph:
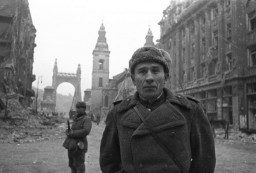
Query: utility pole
{"type": "Point", "coordinates": [39, 78]}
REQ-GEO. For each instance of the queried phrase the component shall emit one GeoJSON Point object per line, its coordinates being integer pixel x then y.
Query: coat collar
{"type": "Point", "coordinates": [78, 118]}
{"type": "Point", "coordinates": [163, 117]}
{"type": "Point", "coordinates": [131, 101]}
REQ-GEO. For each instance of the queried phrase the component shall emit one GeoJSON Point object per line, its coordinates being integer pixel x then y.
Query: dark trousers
{"type": "Point", "coordinates": [76, 160]}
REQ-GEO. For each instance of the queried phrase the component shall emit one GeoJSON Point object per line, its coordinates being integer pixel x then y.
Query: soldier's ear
{"type": "Point", "coordinates": [166, 76]}
{"type": "Point", "coordinates": [133, 79]}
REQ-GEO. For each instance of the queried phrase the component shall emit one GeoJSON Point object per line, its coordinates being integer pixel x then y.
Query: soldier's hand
{"type": "Point", "coordinates": [68, 132]}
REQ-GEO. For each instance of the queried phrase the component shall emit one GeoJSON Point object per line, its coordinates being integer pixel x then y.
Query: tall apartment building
{"type": "Point", "coordinates": [213, 49]}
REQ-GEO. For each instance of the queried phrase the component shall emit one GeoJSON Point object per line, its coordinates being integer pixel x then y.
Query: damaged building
{"type": "Point", "coordinates": [213, 50]}
{"type": "Point", "coordinates": [17, 43]}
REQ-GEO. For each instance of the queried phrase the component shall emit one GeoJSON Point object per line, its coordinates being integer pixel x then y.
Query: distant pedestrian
{"type": "Point", "coordinates": [97, 119]}
{"type": "Point", "coordinates": [76, 141]}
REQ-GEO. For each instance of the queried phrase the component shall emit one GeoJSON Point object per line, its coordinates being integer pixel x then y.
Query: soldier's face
{"type": "Point", "coordinates": [149, 79]}
{"type": "Point", "coordinates": [80, 110]}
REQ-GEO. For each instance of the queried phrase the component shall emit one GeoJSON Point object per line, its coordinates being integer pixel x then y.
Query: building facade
{"type": "Point", "coordinates": [213, 50]}
{"type": "Point", "coordinates": [118, 88]}
{"type": "Point", "coordinates": [100, 69]}
{"type": "Point", "coordinates": [17, 43]}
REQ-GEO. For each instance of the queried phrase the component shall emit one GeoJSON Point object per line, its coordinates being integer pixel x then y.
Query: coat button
{"type": "Point", "coordinates": [149, 110]}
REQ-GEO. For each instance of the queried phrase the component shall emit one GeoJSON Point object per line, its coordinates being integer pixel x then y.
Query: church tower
{"type": "Point", "coordinates": [100, 70]}
{"type": "Point", "coordinates": [149, 38]}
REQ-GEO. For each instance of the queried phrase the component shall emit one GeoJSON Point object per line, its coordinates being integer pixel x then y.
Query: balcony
{"type": "Point", "coordinates": [212, 78]}
{"type": "Point", "coordinates": [251, 38]}
{"type": "Point", "coordinates": [201, 80]}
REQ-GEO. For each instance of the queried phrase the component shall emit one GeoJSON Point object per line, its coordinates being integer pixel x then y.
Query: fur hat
{"type": "Point", "coordinates": [150, 54]}
{"type": "Point", "coordinates": [81, 104]}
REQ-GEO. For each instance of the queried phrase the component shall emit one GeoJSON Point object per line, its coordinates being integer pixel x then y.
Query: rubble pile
{"type": "Point", "coordinates": [251, 138]}
{"type": "Point", "coordinates": [235, 135]}
{"type": "Point", "coordinates": [23, 126]}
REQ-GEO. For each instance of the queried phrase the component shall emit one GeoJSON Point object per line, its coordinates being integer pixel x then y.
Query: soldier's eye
{"type": "Point", "coordinates": [142, 71]}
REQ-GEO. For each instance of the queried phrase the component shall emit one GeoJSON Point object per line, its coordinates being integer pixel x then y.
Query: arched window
{"type": "Point", "coordinates": [100, 82]}
{"type": "Point", "coordinates": [106, 101]}
{"type": "Point", "coordinates": [101, 64]}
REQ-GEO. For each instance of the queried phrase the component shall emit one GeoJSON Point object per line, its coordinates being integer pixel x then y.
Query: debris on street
{"type": "Point", "coordinates": [22, 125]}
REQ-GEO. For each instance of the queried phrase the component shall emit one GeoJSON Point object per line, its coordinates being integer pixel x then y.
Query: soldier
{"type": "Point", "coordinates": [76, 141]}
{"type": "Point", "coordinates": [156, 130]}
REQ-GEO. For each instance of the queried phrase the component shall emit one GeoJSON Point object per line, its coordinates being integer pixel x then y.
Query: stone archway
{"type": "Point", "coordinates": [57, 79]}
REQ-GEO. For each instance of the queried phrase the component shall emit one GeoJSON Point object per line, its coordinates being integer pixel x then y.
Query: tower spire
{"type": "Point", "coordinates": [78, 71]}
{"type": "Point", "coordinates": [55, 68]}
{"type": "Point", "coordinates": [149, 38]}
{"type": "Point", "coordinates": [101, 44]}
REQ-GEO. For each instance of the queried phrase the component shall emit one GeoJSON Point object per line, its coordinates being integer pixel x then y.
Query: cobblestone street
{"type": "Point", "coordinates": [50, 157]}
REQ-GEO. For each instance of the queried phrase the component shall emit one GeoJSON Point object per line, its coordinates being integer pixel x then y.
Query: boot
{"type": "Point", "coordinates": [81, 169]}
{"type": "Point", "coordinates": [73, 170]}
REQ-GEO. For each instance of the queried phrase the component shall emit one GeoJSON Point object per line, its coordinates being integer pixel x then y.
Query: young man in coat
{"type": "Point", "coordinates": [156, 131]}
{"type": "Point", "coordinates": [80, 128]}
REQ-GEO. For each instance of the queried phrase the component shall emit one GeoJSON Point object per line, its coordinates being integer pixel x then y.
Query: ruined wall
{"type": "Point", "coordinates": [17, 42]}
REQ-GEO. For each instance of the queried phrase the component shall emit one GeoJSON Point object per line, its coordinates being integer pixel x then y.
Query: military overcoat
{"type": "Point", "coordinates": [128, 145]}
{"type": "Point", "coordinates": [80, 128]}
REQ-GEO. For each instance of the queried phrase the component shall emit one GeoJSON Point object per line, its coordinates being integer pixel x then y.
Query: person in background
{"type": "Point", "coordinates": [156, 131]}
{"type": "Point", "coordinates": [80, 128]}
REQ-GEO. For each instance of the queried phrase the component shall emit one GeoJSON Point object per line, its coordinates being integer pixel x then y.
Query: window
{"type": "Point", "coordinates": [174, 59]}
{"type": "Point", "coordinates": [174, 42]}
{"type": "Point", "coordinates": [193, 48]}
{"type": "Point", "coordinates": [203, 20]}
{"type": "Point", "coordinates": [227, 5]}
{"type": "Point", "coordinates": [100, 82]}
{"type": "Point", "coordinates": [228, 31]}
{"type": "Point", "coordinates": [251, 102]}
{"type": "Point", "coordinates": [215, 38]}
{"type": "Point", "coordinates": [183, 55]}
{"type": "Point", "coordinates": [252, 24]}
{"type": "Point", "coordinates": [192, 28]}
{"type": "Point", "coordinates": [251, 88]}
{"type": "Point", "coordinates": [202, 70]}
{"type": "Point", "coordinates": [212, 68]}
{"type": "Point", "coordinates": [252, 58]}
{"type": "Point", "coordinates": [227, 104]}
{"type": "Point", "coordinates": [101, 63]}
{"type": "Point", "coordinates": [183, 77]}
{"type": "Point", "coordinates": [229, 61]}
{"type": "Point", "coordinates": [251, 18]}
{"type": "Point", "coordinates": [211, 106]}
{"type": "Point", "coordinates": [214, 13]}
{"type": "Point", "coordinates": [212, 93]}
{"type": "Point", "coordinates": [203, 44]}
{"type": "Point", "coordinates": [183, 34]}
{"type": "Point", "coordinates": [106, 101]}
{"type": "Point", "coordinates": [193, 74]}
{"type": "Point", "coordinates": [170, 44]}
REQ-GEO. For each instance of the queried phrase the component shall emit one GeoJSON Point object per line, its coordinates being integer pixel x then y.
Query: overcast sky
{"type": "Point", "coordinates": [68, 30]}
